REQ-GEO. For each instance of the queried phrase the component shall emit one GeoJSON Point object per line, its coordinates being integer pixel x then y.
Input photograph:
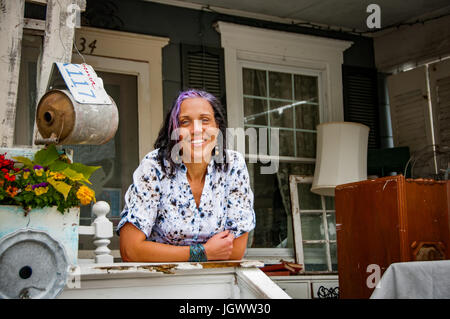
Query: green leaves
{"type": "Point", "coordinates": [49, 157]}
{"type": "Point", "coordinates": [58, 166]}
{"type": "Point", "coordinates": [46, 156]}
{"type": "Point", "coordinates": [54, 185]}
{"type": "Point", "coordinates": [85, 170]}
{"type": "Point", "coordinates": [61, 187]}
{"type": "Point", "coordinates": [74, 175]}
{"type": "Point", "coordinates": [26, 161]}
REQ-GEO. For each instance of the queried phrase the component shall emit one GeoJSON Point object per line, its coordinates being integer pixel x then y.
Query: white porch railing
{"type": "Point", "coordinates": [210, 280]}
{"type": "Point", "coordinates": [102, 230]}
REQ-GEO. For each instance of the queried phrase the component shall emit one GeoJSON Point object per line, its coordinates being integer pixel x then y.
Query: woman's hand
{"type": "Point", "coordinates": [219, 246]}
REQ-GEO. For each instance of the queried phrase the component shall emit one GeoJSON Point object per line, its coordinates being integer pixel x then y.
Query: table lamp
{"type": "Point", "coordinates": [341, 156]}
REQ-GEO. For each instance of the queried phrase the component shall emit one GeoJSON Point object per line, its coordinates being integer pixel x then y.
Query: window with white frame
{"type": "Point", "coordinates": [288, 100]}
{"type": "Point", "coordinates": [290, 82]}
{"type": "Point", "coordinates": [314, 218]}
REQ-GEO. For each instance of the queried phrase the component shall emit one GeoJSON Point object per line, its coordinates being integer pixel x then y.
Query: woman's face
{"type": "Point", "coordinates": [198, 130]}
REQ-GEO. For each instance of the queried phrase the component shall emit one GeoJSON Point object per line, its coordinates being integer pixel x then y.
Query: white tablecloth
{"type": "Point", "coordinates": [416, 279]}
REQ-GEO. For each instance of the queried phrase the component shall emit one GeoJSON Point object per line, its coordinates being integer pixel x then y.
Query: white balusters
{"type": "Point", "coordinates": [103, 231]}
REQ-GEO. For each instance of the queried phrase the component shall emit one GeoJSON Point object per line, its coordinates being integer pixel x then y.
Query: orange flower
{"type": "Point", "coordinates": [2, 181]}
{"type": "Point", "coordinates": [57, 176]}
{"type": "Point", "coordinates": [85, 195]}
{"type": "Point", "coordinates": [12, 191]}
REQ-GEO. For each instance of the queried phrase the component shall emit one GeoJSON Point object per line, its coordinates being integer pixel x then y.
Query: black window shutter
{"type": "Point", "coordinates": [203, 68]}
{"type": "Point", "coordinates": [361, 100]}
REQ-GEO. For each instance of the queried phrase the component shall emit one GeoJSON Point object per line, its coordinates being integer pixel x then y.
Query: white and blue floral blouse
{"type": "Point", "coordinates": [164, 209]}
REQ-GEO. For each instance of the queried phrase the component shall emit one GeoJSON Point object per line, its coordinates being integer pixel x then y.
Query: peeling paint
{"type": "Point", "coordinates": [115, 268]}
{"type": "Point", "coordinates": [4, 141]}
{"type": "Point", "coordinates": [11, 27]}
{"type": "Point", "coordinates": [166, 268]}
{"type": "Point", "coordinates": [210, 265]}
{"type": "Point", "coordinates": [252, 264]}
{"type": "Point", "coordinates": [3, 6]}
{"type": "Point", "coordinates": [170, 268]}
{"type": "Point", "coordinates": [14, 54]}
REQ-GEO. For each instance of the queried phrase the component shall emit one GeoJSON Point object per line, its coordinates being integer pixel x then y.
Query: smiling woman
{"type": "Point", "coordinates": [190, 199]}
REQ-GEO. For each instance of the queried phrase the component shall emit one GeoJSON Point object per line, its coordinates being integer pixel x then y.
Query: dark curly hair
{"type": "Point", "coordinates": [165, 143]}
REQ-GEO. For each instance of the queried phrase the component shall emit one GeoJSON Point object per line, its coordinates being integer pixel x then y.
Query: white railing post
{"type": "Point", "coordinates": [103, 232]}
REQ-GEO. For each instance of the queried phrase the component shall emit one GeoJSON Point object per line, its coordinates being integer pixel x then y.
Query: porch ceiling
{"type": "Point", "coordinates": [349, 14]}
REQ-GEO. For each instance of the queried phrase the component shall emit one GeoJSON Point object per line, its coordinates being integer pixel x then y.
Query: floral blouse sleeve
{"type": "Point", "coordinates": [142, 197]}
{"type": "Point", "coordinates": [241, 216]}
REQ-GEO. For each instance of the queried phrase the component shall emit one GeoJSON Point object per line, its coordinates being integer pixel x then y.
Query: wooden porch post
{"type": "Point", "coordinates": [11, 26]}
{"type": "Point", "coordinates": [58, 41]}
{"type": "Point", "coordinates": [57, 47]}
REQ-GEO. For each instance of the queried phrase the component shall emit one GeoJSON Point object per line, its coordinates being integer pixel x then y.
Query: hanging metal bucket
{"type": "Point", "coordinates": [59, 116]}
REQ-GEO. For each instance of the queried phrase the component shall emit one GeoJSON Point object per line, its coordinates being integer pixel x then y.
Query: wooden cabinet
{"type": "Point", "coordinates": [388, 220]}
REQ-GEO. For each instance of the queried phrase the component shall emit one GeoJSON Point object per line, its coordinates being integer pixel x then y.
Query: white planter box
{"type": "Point", "coordinates": [61, 227]}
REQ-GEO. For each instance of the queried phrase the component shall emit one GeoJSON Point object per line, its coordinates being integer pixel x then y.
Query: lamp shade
{"type": "Point", "coordinates": [341, 155]}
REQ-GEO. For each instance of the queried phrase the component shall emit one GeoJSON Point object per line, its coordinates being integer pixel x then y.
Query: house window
{"type": "Point", "coordinates": [316, 236]}
{"type": "Point", "coordinates": [290, 82]}
{"type": "Point", "coordinates": [288, 101]}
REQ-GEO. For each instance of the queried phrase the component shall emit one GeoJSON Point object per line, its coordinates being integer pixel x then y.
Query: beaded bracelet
{"type": "Point", "coordinates": [197, 253]}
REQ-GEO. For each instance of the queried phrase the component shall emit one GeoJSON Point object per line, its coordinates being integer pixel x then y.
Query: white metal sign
{"type": "Point", "coordinates": [84, 84]}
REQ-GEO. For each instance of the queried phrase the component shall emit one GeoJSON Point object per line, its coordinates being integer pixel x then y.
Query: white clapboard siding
{"type": "Point", "coordinates": [409, 106]}
{"type": "Point", "coordinates": [440, 98]}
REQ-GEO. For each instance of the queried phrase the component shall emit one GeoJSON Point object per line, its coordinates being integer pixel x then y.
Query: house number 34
{"type": "Point", "coordinates": [85, 46]}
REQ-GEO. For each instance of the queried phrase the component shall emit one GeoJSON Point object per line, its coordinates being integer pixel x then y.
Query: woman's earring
{"type": "Point", "coordinates": [216, 151]}
{"type": "Point", "coordinates": [178, 157]}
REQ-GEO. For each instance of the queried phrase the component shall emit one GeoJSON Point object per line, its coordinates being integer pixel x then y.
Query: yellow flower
{"type": "Point", "coordinates": [26, 174]}
{"type": "Point", "coordinates": [39, 171]}
{"type": "Point", "coordinates": [85, 195]}
{"type": "Point", "coordinates": [28, 188]}
{"type": "Point", "coordinates": [40, 190]}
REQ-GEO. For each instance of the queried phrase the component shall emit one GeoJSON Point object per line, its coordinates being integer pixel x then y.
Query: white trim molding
{"type": "Point", "coordinates": [250, 44]}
